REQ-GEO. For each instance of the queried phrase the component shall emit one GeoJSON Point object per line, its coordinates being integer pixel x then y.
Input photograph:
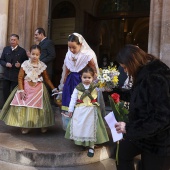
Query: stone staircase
{"type": "Point", "coordinates": [48, 151]}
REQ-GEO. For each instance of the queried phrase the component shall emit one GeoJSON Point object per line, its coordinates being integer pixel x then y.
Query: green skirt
{"type": "Point", "coordinates": [28, 117]}
{"type": "Point", "coordinates": [101, 133]}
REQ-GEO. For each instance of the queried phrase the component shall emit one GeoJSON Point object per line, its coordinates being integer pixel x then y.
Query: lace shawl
{"type": "Point", "coordinates": [82, 59]}
{"type": "Point", "coordinates": [33, 73]}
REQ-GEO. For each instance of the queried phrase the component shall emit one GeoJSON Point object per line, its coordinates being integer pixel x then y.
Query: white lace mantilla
{"type": "Point", "coordinates": [81, 61]}
{"type": "Point", "coordinates": [33, 72]}
{"type": "Point", "coordinates": [76, 62]}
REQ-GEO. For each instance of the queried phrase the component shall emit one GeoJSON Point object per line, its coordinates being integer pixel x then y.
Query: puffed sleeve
{"type": "Point", "coordinates": [21, 76]}
{"type": "Point", "coordinates": [151, 108]}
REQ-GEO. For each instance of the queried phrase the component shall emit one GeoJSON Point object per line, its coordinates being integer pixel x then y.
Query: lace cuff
{"type": "Point", "coordinates": [54, 90]}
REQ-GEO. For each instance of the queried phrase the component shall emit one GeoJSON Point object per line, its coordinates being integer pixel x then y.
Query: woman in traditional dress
{"type": "Point", "coordinates": [79, 55]}
{"type": "Point", "coordinates": [28, 106]}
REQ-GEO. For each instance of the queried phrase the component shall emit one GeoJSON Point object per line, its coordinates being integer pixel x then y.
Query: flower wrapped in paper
{"type": "Point", "coordinates": [107, 79]}
{"type": "Point", "coordinates": [119, 108]}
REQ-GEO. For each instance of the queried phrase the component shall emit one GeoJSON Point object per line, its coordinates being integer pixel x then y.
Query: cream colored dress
{"type": "Point", "coordinates": [31, 113]}
{"type": "Point", "coordinates": [86, 127]}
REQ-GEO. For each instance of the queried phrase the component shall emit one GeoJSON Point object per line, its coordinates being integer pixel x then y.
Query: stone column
{"type": "Point", "coordinates": [159, 30]}
{"type": "Point", "coordinates": [155, 27]}
{"type": "Point", "coordinates": [3, 27]}
{"type": "Point", "coordinates": [25, 16]}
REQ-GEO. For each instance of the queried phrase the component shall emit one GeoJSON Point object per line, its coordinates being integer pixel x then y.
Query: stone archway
{"type": "Point", "coordinates": [121, 21]}
{"type": "Point", "coordinates": [140, 33]}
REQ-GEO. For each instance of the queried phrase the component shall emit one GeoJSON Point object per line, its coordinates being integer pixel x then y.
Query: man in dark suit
{"type": "Point", "coordinates": [47, 49]}
{"type": "Point", "coordinates": [11, 59]}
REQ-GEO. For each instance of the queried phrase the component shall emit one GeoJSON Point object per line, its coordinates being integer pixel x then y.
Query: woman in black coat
{"type": "Point", "coordinates": [148, 130]}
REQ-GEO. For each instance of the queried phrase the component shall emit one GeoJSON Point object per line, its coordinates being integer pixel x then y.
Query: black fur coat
{"type": "Point", "coordinates": [149, 116]}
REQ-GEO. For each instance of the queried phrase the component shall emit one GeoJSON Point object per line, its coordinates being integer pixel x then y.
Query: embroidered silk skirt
{"type": "Point", "coordinates": [28, 117]}
{"type": "Point", "coordinates": [73, 79]}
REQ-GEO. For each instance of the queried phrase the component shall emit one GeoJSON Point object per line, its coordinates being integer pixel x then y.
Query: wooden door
{"type": "Point", "coordinates": [58, 63]}
{"type": "Point", "coordinates": [92, 32]}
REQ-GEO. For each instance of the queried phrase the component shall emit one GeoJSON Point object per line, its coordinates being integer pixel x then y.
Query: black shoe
{"type": "Point", "coordinates": [90, 154]}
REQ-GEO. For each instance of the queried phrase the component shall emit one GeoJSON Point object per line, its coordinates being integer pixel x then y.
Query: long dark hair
{"type": "Point", "coordinates": [134, 58]}
{"type": "Point", "coordinates": [87, 69]}
{"type": "Point", "coordinates": [73, 38]}
{"type": "Point", "coordinates": [35, 47]}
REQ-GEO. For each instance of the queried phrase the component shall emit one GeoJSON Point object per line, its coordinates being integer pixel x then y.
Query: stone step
{"type": "Point", "coordinates": [107, 164]}
{"type": "Point", "coordinates": [46, 150]}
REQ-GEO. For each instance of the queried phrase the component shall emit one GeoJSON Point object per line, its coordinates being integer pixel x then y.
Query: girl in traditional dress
{"type": "Point", "coordinates": [28, 106]}
{"type": "Point", "coordinates": [79, 55]}
{"type": "Point", "coordinates": [86, 126]}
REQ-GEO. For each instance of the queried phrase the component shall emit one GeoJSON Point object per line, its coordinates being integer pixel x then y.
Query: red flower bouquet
{"type": "Point", "coordinates": [118, 107]}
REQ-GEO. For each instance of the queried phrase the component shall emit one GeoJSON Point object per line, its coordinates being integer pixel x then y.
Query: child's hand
{"type": "Point", "coordinates": [22, 95]}
{"type": "Point", "coordinates": [70, 114]}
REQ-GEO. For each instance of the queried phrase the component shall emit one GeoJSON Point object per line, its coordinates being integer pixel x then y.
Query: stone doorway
{"type": "Point", "coordinates": [62, 24]}
{"type": "Point", "coordinates": [106, 27]}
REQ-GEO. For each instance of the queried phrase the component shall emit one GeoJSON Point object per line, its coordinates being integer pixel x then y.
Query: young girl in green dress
{"type": "Point", "coordinates": [86, 127]}
{"type": "Point", "coordinates": [28, 106]}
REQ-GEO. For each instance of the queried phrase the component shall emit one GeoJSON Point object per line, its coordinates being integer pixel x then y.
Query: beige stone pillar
{"type": "Point", "coordinates": [165, 33]}
{"type": "Point", "coordinates": [25, 16]}
{"type": "Point", "coordinates": [159, 30]}
{"type": "Point", "coordinates": [155, 27]}
{"type": "Point", "coordinates": [3, 26]}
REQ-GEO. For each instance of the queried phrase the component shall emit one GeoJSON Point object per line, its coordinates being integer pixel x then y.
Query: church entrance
{"type": "Point", "coordinates": [106, 25]}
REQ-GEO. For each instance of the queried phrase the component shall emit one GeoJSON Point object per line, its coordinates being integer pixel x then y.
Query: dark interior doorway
{"type": "Point", "coordinates": [111, 27]}
{"type": "Point", "coordinates": [62, 24]}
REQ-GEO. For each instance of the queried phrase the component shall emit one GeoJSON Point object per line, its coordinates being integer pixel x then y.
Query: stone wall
{"type": "Point", "coordinates": [25, 16]}
{"type": "Point", "coordinates": [159, 30]}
